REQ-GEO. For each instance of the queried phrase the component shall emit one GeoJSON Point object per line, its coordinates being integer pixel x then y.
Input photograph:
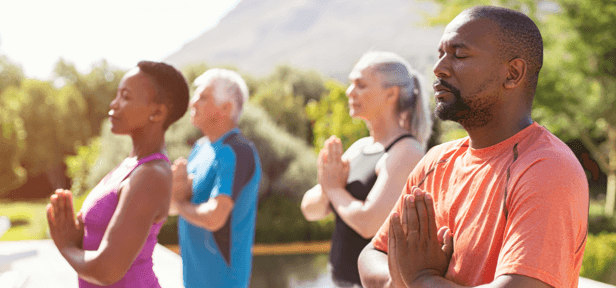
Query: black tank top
{"type": "Point", "coordinates": [346, 243]}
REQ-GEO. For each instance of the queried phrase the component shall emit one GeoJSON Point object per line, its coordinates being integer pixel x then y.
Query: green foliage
{"type": "Point", "coordinates": [284, 93]}
{"type": "Point", "coordinates": [12, 141]}
{"type": "Point", "coordinates": [450, 9]}
{"type": "Point", "coordinates": [79, 165]}
{"type": "Point", "coordinates": [330, 116]}
{"type": "Point", "coordinates": [97, 89]}
{"type": "Point", "coordinates": [280, 220]}
{"type": "Point", "coordinates": [289, 166]}
{"type": "Point", "coordinates": [29, 220]}
{"type": "Point", "coordinates": [10, 74]}
{"type": "Point", "coordinates": [600, 258]}
{"type": "Point", "coordinates": [285, 109]}
{"type": "Point", "coordinates": [53, 121]}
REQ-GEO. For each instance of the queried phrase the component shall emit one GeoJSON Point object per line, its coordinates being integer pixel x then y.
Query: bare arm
{"type": "Point", "coordinates": [366, 217]}
{"type": "Point", "coordinates": [211, 215]}
{"type": "Point", "coordinates": [373, 268]}
{"type": "Point", "coordinates": [143, 199]}
{"type": "Point", "coordinates": [315, 204]}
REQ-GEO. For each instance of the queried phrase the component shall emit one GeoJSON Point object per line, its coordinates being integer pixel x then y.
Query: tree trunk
{"type": "Point", "coordinates": [610, 199]}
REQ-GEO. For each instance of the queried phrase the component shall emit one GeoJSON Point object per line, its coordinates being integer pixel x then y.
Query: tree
{"type": "Point", "coordinates": [12, 141]}
{"type": "Point", "coordinates": [53, 120]}
{"type": "Point", "coordinates": [330, 116]}
{"type": "Point", "coordinates": [97, 88]}
{"type": "Point", "coordinates": [576, 93]}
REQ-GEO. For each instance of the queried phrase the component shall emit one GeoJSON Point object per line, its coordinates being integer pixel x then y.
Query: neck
{"type": "Point", "coordinates": [496, 131]}
{"type": "Point", "coordinates": [147, 141]}
{"type": "Point", "coordinates": [218, 130]}
{"type": "Point", "coordinates": [384, 129]}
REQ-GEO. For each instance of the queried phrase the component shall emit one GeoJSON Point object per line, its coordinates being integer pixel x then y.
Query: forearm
{"type": "Point", "coordinates": [88, 266]}
{"type": "Point", "coordinates": [203, 215]}
{"type": "Point", "coordinates": [352, 211]}
{"type": "Point", "coordinates": [373, 268]}
{"type": "Point", "coordinates": [315, 204]}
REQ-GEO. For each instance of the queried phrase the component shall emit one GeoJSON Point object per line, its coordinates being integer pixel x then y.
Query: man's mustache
{"type": "Point", "coordinates": [447, 85]}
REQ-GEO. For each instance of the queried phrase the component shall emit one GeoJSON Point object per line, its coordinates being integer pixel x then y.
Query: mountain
{"type": "Point", "coordinates": [325, 35]}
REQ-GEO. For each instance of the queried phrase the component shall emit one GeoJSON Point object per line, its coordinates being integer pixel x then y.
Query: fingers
{"type": "Point", "coordinates": [50, 218]}
{"type": "Point", "coordinates": [68, 197]}
{"type": "Point", "coordinates": [79, 221]}
{"type": "Point", "coordinates": [447, 242]}
{"type": "Point", "coordinates": [337, 147]}
{"type": "Point", "coordinates": [422, 217]}
{"type": "Point", "coordinates": [55, 208]}
{"type": "Point", "coordinates": [431, 216]}
{"type": "Point", "coordinates": [405, 215]}
{"type": "Point", "coordinates": [392, 232]}
{"type": "Point", "coordinates": [412, 219]}
{"type": "Point", "coordinates": [391, 253]}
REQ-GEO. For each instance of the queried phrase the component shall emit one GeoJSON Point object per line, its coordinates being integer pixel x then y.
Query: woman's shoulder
{"type": "Point", "coordinates": [406, 146]}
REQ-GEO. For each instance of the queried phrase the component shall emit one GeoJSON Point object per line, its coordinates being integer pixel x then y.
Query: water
{"type": "Point", "coordinates": [290, 271]}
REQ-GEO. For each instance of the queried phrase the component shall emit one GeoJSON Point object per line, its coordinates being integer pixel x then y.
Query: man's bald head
{"type": "Point", "coordinates": [518, 36]}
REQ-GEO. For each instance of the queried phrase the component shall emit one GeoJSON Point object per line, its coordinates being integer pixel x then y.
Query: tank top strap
{"type": "Point", "coordinates": [155, 156]}
{"type": "Point", "coordinates": [398, 139]}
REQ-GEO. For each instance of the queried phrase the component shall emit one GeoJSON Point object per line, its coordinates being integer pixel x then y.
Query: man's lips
{"type": "Point", "coordinates": [440, 91]}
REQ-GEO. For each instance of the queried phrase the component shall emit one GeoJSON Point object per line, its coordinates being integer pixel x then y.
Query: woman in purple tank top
{"type": "Point", "coordinates": [111, 240]}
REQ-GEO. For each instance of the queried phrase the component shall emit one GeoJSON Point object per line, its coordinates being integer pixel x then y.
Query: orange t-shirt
{"type": "Point", "coordinates": [517, 207]}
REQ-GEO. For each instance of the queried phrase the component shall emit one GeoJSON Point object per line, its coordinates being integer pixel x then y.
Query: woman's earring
{"type": "Point", "coordinates": [151, 118]}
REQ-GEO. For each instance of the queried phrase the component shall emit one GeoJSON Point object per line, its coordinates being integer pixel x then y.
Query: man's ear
{"type": "Point", "coordinates": [516, 72]}
{"type": "Point", "coordinates": [225, 109]}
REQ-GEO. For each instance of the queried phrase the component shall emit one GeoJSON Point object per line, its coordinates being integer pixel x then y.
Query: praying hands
{"type": "Point", "coordinates": [416, 249]}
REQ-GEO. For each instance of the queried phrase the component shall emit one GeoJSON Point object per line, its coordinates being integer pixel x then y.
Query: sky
{"type": "Point", "coordinates": [35, 34]}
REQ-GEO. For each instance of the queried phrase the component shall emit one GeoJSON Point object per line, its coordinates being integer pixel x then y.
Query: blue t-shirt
{"type": "Point", "coordinates": [230, 166]}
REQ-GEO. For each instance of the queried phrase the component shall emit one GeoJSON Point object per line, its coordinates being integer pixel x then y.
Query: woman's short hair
{"type": "Point", "coordinates": [228, 87]}
{"type": "Point", "coordinates": [171, 88]}
{"type": "Point", "coordinates": [413, 101]}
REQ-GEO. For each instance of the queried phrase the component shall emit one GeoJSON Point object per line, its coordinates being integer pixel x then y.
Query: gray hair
{"type": "Point", "coordinates": [228, 87]}
{"type": "Point", "coordinates": [413, 101]}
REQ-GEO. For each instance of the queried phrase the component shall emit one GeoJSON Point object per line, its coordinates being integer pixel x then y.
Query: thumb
{"type": "Point", "coordinates": [79, 221]}
{"type": "Point", "coordinates": [447, 242]}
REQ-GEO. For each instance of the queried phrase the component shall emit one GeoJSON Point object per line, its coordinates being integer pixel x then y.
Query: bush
{"type": "Point", "coordinates": [330, 116]}
{"type": "Point", "coordinates": [280, 220]}
{"type": "Point", "coordinates": [598, 222]}
{"type": "Point", "coordinates": [600, 258]}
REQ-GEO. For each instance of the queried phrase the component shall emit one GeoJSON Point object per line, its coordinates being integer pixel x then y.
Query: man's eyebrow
{"type": "Point", "coordinates": [460, 45]}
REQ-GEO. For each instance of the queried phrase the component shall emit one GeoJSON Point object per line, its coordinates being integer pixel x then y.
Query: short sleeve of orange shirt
{"type": "Point", "coordinates": [518, 207]}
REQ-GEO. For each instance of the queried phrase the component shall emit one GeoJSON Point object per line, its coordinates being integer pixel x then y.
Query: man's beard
{"type": "Point", "coordinates": [454, 111]}
{"type": "Point", "coordinates": [471, 113]}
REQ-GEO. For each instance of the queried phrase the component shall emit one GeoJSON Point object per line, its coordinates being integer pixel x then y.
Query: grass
{"type": "Point", "coordinates": [33, 220]}
{"type": "Point", "coordinates": [29, 219]}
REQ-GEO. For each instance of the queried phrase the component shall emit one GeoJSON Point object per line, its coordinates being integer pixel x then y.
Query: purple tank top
{"type": "Point", "coordinates": [97, 210]}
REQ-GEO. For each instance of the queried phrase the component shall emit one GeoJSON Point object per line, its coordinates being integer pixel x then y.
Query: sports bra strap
{"type": "Point", "coordinates": [398, 139]}
{"type": "Point", "coordinates": [151, 157]}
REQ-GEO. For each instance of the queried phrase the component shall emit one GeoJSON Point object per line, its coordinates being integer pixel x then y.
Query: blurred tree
{"type": "Point", "coordinates": [330, 116]}
{"type": "Point", "coordinates": [10, 74]}
{"type": "Point", "coordinates": [576, 93]}
{"type": "Point", "coordinates": [284, 94]}
{"type": "Point", "coordinates": [53, 120]}
{"type": "Point", "coordinates": [97, 88]}
{"type": "Point", "coordinates": [12, 141]}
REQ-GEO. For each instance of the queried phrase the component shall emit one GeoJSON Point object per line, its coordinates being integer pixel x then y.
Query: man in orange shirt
{"type": "Point", "coordinates": [506, 206]}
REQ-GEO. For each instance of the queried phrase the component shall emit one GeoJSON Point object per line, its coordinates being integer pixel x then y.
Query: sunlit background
{"type": "Point", "coordinates": [36, 33]}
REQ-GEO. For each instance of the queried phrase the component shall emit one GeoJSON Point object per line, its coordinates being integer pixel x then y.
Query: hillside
{"type": "Point", "coordinates": [326, 35]}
